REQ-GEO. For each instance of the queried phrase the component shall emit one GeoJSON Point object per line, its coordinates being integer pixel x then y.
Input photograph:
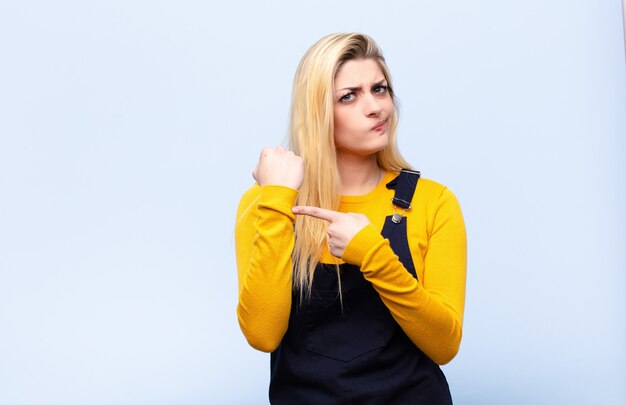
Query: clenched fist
{"type": "Point", "coordinates": [279, 167]}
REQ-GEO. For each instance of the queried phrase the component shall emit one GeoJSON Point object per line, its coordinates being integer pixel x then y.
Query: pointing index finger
{"type": "Point", "coordinates": [315, 212]}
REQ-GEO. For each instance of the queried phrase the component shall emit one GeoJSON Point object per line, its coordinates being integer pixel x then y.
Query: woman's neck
{"type": "Point", "coordinates": [359, 174]}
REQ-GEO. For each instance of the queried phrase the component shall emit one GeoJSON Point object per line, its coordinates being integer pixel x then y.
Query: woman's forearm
{"type": "Point", "coordinates": [264, 242]}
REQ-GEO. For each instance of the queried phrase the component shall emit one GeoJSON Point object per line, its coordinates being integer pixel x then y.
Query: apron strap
{"type": "Point", "coordinates": [395, 228]}
{"type": "Point", "coordinates": [405, 185]}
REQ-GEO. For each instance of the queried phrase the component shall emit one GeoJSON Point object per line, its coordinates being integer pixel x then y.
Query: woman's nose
{"type": "Point", "coordinates": [373, 107]}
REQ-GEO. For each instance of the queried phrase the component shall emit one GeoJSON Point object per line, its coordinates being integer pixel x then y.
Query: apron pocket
{"type": "Point", "coordinates": [363, 325]}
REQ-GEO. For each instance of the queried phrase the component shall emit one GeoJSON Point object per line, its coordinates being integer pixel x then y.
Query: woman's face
{"type": "Point", "coordinates": [363, 108]}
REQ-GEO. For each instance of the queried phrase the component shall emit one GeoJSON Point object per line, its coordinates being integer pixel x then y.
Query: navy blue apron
{"type": "Point", "coordinates": [354, 352]}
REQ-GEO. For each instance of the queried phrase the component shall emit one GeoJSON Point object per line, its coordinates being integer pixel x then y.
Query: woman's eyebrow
{"type": "Point", "coordinates": [356, 88]}
{"type": "Point", "coordinates": [349, 88]}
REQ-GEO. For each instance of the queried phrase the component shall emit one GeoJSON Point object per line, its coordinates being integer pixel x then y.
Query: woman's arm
{"type": "Point", "coordinates": [264, 240]}
{"type": "Point", "coordinates": [430, 312]}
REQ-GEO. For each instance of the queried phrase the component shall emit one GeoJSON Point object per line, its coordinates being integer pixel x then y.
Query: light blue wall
{"type": "Point", "coordinates": [128, 131]}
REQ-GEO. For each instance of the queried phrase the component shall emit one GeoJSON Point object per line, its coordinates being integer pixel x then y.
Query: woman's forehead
{"type": "Point", "coordinates": [357, 72]}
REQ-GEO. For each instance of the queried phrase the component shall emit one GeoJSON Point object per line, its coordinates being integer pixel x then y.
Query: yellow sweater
{"type": "Point", "coordinates": [429, 310]}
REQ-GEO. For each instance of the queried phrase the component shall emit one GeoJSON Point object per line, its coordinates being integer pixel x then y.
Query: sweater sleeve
{"type": "Point", "coordinates": [264, 240]}
{"type": "Point", "coordinates": [431, 311]}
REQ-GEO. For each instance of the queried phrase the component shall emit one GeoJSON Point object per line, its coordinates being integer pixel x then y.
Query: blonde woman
{"type": "Point", "coordinates": [351, 268]}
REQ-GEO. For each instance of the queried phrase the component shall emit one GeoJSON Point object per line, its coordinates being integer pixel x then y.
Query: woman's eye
{"type": "Point", "coordinates": [347, 98]}
{"type": "Point", "coordinates": [380, 89]}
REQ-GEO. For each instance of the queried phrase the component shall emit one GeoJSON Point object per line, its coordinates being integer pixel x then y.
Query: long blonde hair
{"type": "Point", "coordinates": [311, 136]}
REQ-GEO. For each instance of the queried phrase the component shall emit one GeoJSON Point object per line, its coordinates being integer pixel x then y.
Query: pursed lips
{"type": "Point", "coordinates": [380, 125]}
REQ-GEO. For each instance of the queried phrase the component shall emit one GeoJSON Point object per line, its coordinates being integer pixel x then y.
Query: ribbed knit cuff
{"type": "Point", "coordinates": [360, 245]}
{"type": "Point", "coordinates": [278, 198]}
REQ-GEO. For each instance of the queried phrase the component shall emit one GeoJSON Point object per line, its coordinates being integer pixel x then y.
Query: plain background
{"type": "Point", "coordinates": [129, 129]}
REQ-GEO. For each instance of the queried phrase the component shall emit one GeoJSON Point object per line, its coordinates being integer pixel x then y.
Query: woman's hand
{"type": "Point", "coordinates": [279, 167]}
{"type": "Point", "coordinates": [343, 227]}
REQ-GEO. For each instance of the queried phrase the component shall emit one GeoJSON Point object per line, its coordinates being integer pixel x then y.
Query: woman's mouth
{"type": "Point", "coordinates": [380, 126]}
